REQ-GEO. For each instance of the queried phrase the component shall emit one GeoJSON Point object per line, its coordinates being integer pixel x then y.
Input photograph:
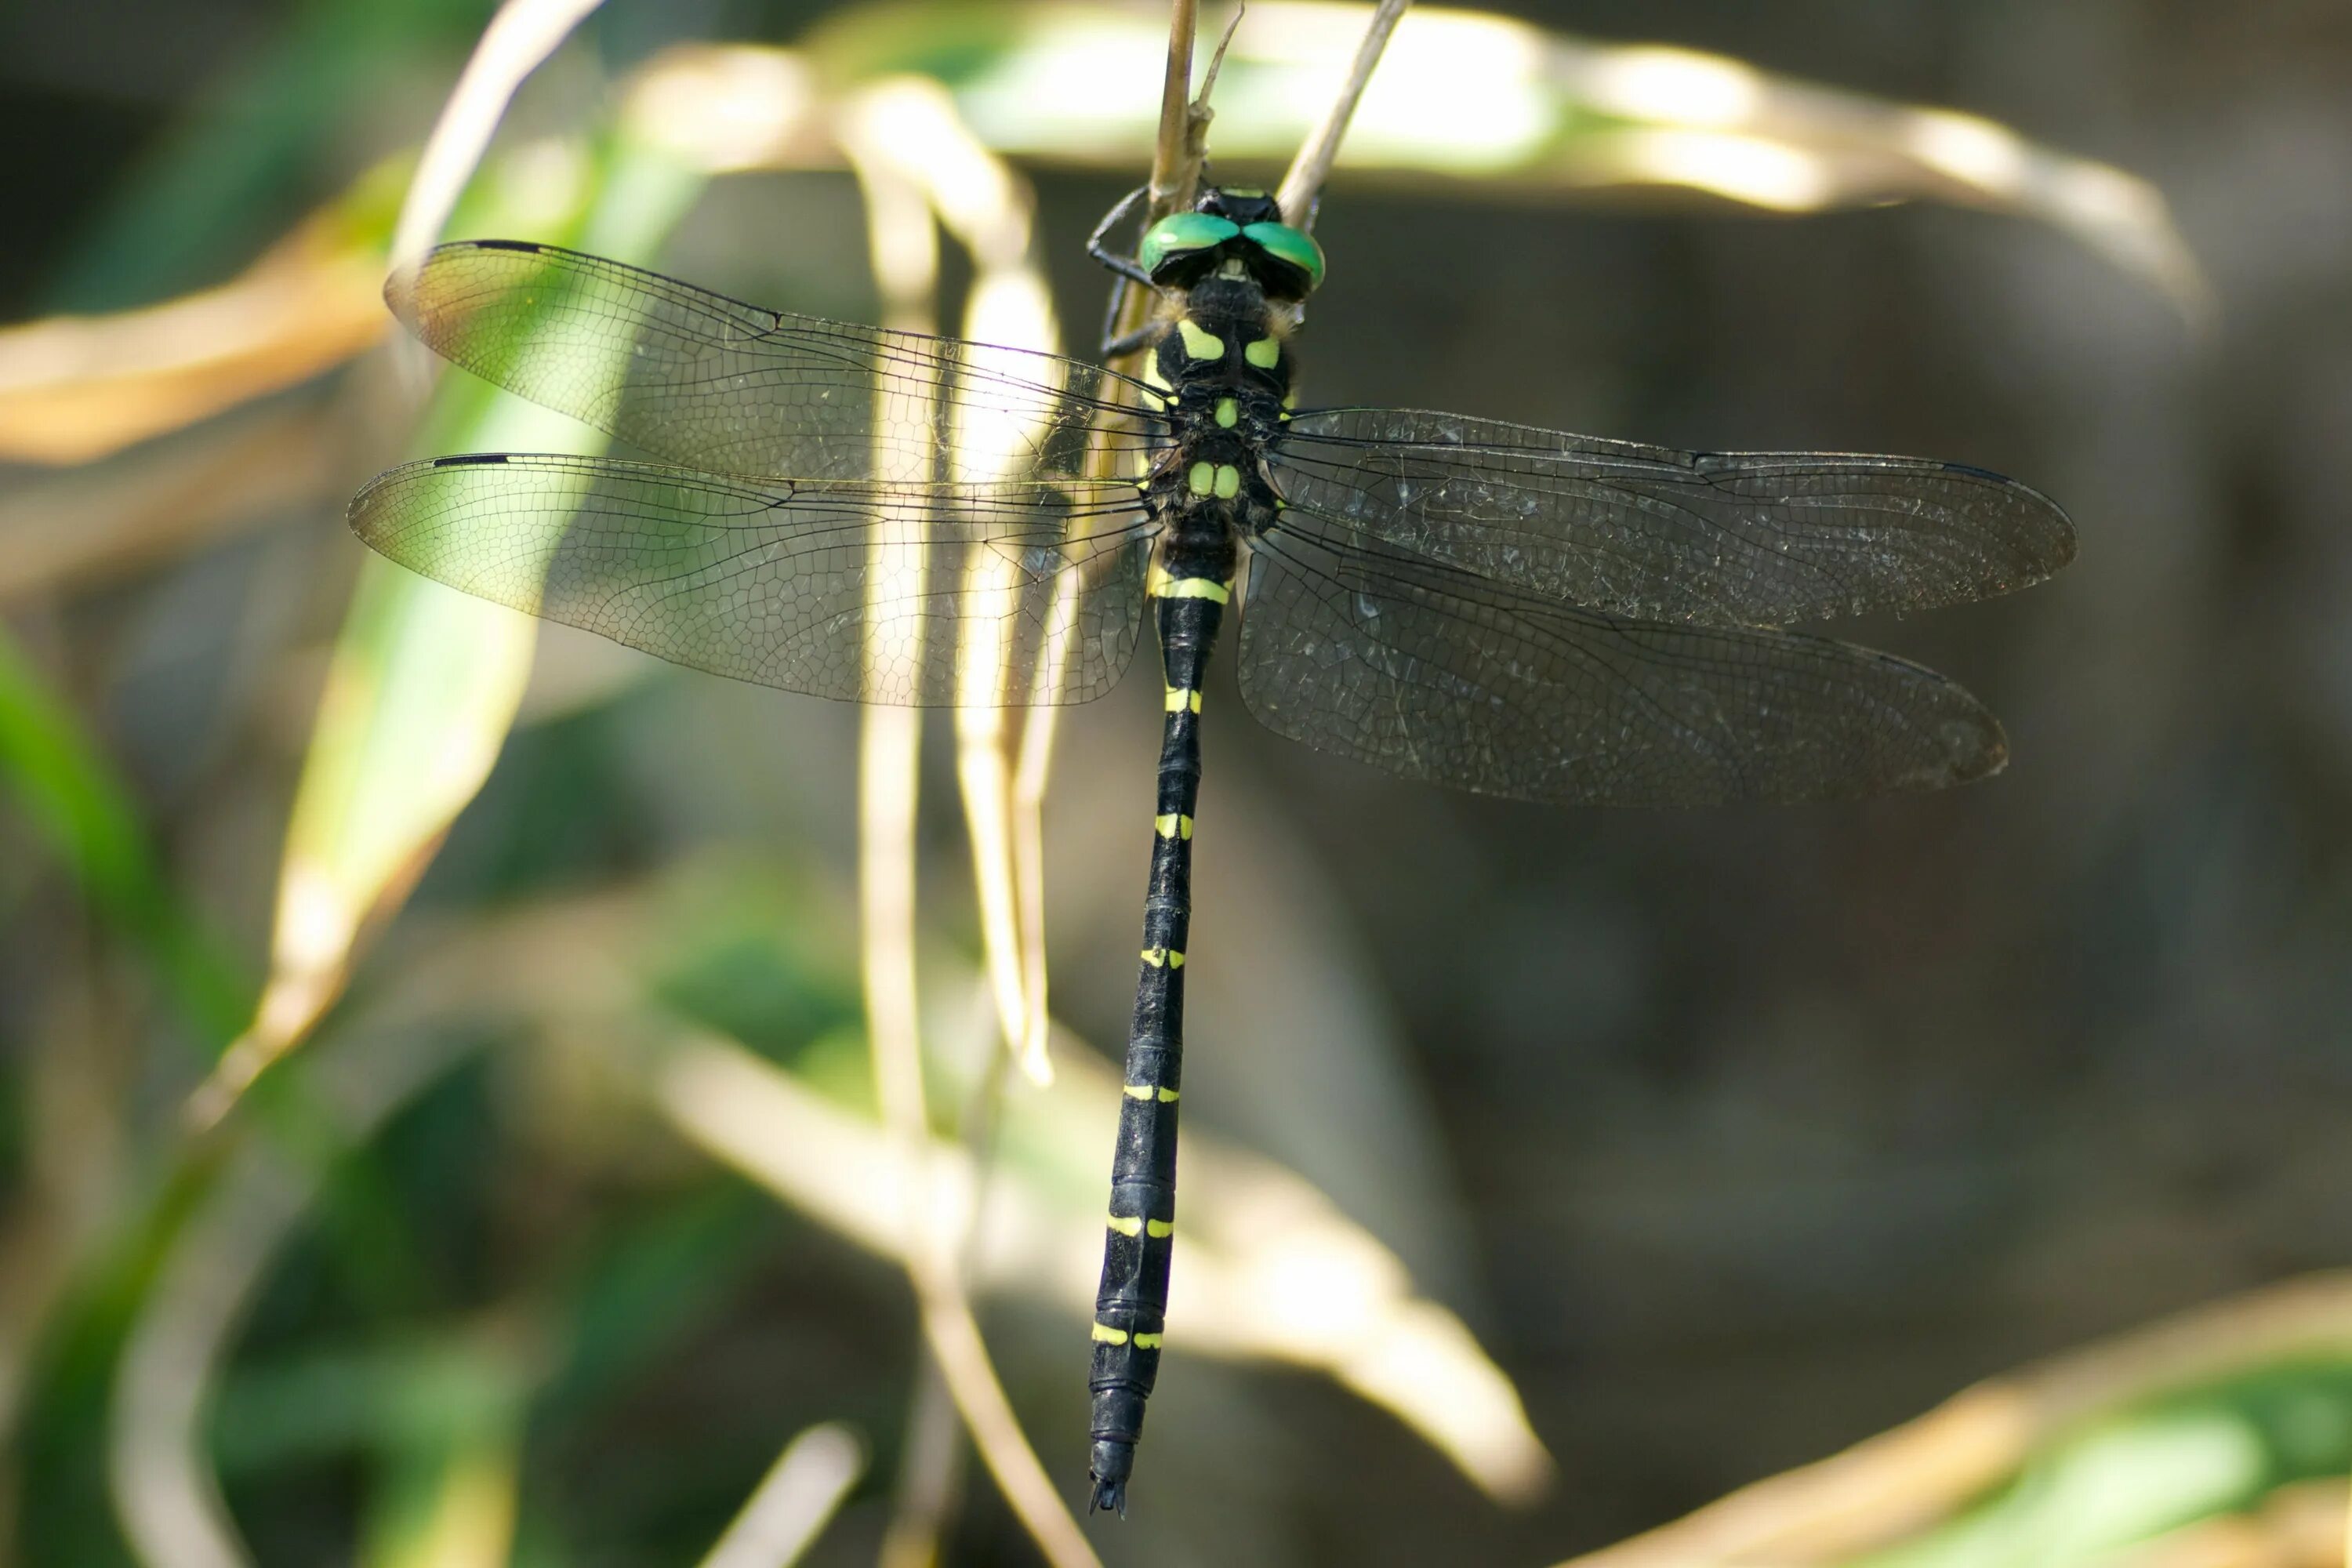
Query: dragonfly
{"type": "Point", "coordinates": [881, 516]}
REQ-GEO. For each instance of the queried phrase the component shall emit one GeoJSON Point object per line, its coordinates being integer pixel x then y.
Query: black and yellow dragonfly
{"type": "Point", "coordinates": [883, 517]}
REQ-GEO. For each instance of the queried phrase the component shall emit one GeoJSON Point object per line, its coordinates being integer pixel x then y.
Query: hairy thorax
{"type": "Point", "coordinates": [1223, 370]}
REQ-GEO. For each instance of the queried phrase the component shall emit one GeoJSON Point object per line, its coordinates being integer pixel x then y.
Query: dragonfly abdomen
{"type": "Point", "coordinates": [1222, 372]}
{"type": "Point", "coordinates": [1192, 589]}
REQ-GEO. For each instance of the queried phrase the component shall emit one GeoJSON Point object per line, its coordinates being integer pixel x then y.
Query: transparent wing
{"type": "Point", "coordinates": [1718, 539]}
{"type": "Point", "coordinates": [1368, 652]}
{"type": "Point", "coordinates": [698, 378]}
{"type": "Point", "coordinates": [904, 595]}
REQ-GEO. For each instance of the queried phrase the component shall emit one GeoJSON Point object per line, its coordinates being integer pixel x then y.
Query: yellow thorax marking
{"type": "Point", "coordinates": [1264, 353]}
{"type": "Point", "coordinates": [1128, 1225]}
{"type": "Point", "coordinates": [1228, 481]}
{"type": "Point", "coordinates": [1199, 343]}
{"type": "Point", "coordinates": [1229, 413]}
{"type": "Point", "coordinates": [1202, 478]}
{"type": "Point", "coordinates": [1151, 376]}
{"type": "Point", "coordinates": [1147, 1341]}
{"type": "Point", "coordinates": [1180, 696]}
{"type": "Point", "coordinates": [1161, 586]}
{"type": "Point", "coordinates": [1173, 826]}
{"type": "Point", "coordinates": [1106, 1334]}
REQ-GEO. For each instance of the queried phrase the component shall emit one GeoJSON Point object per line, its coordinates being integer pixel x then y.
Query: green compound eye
{"type": "Point", "coordinates": [1180, 234]}
{"type": "Point", "coordinates": [1293, 246]}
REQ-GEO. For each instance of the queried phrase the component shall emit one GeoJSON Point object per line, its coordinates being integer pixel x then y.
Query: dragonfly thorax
{"type": "Point", "coordinates": [1225, 370]}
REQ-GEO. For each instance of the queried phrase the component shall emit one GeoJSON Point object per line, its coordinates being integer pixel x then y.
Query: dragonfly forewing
{"type": "Point", "coordinates": [1656, 534]}
{"type": "Point", "coordinates": [694, 377]}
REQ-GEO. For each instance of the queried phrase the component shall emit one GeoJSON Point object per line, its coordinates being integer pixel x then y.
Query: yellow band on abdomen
{"type": "Point", "coordinates": [1162, 587]}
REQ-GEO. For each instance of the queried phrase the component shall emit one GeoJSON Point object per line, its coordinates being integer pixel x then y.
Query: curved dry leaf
{"type": "Point", "coordinates": [75, 388]}
{"type": "Point", "coordinates": [420, 694]}
{"type": "Point", "coordinates": [1495, 101]}
{"type": "Point", "coordinates": [1272, 1269]}
{"type": "Point", "coordinates": [1903, 1480]}
{"type": "Point", "coordinates": [424, 685]}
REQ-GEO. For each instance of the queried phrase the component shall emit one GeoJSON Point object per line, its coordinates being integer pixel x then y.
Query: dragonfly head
{"type": "Point", "coordinates": [1244, 226]}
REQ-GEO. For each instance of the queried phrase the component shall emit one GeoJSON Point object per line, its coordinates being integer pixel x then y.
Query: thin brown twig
{"type": "Point", "coordinates": [1304, 182]}
{"type": "Point", "coordinates": [930, 1477]}
{"type": "Point", "coordinates": [1172, 175]}
{"type": "Point", "coordinates": [1181, 146]}
{"type": "Point", "coordinates": [930, 1472]}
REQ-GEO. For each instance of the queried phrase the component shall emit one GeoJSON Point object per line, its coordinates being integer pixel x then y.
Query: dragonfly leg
{"type": "Point", "coordinates": [1127, 342]}
{"type": "Point", "coordinates": [1127, 270]}
{"type": "Point", "coordinates": [1097, 245]}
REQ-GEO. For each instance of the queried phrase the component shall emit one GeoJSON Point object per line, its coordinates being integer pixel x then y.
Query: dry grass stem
{"type": "Point", "coordinates": [1304, 181]}
{"type": "Point", "coordinates": [1174, 165]}
{"type": "Point", "coordinates": [876, 133]}
{"type": "Point", "coordinates": [518, 38]}
{"type": "Point", "coordinates": [795, 1499]}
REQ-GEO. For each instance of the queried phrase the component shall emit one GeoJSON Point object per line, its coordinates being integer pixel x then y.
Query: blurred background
{"type": "Point", "coordinates": [1647, 1154]}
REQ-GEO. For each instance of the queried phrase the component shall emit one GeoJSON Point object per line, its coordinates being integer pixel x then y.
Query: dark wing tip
{"type": "Point", "coordinates": [2043, 539]}
{"type": "Point", "coordinates": [2051, 539]}
{"type": "Point", "coordinates": [1976, 746]}
{"type": "Point", "coordinates": [1948, 737]}
{"type": "Point", "coordinates": [1959, 744]}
